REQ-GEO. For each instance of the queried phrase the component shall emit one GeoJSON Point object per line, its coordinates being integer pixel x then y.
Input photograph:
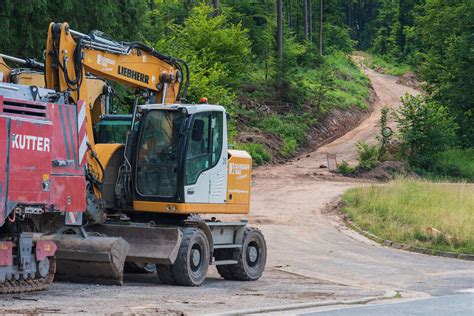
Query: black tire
{"type": "Point", "coordinates": [251, 259]}
{"type": "Point", "coordinates": [139, 267]}
{"type": "Point", "coordinates": [192, 262]}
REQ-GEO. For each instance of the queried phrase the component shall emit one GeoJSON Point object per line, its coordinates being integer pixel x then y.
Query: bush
{"type": "Point", "coordinates": [289, 147]}
{"type": "Point", "coordinates": [258, 153]}
{"type": "Point", "coordinates": [217, 51]}
{"type": "Point", "coordinates": [388, 67]}
{"type": "Point", "coordinates": [426, 128]}
{"type": "Point", "coordinates": [455, 163]}
{"type": "Point", "coordinates": [368, 155]}
{"type": "Point", "coordinates": [345, 168]}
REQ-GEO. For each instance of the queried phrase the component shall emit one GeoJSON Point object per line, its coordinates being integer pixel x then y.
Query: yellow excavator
{"type": "Point", "coordinates": [143, 196]}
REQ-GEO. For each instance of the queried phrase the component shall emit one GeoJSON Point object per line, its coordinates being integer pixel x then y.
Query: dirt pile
{"type": "Point", "coordinates": [387, 171]}
{"type": "Point", "coordinates": [409, 79]}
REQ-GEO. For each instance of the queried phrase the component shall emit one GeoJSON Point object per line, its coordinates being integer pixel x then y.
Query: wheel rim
{"type": "Point", "coordinates": [196, 257]}
{"type": "Point", "coordinates": [253, 254]}
{"type": "Point", "coordinates": [150, 267]}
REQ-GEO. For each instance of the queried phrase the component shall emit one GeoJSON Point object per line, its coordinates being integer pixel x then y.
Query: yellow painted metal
{"type": "Point", "coordinates": [4, 71]}
{"type": "Point", "coordinates": [239, 177]}
{"type": "Point", "coordinates": [25, 77]}
{"type": "Point", "coordinates": [147, 68]}
{"type": "Point", "coordinates": [190, 208]}
{"type": "Point", "coordinates": [30, 78]}
{"type": "Point", "coordinates": [105, 152]}
{"type": "Point", "coordinates": [95, 88]}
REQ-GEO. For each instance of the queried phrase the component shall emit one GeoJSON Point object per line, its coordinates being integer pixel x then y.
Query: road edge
{"type": "Point", "coordinates": [390, 294]}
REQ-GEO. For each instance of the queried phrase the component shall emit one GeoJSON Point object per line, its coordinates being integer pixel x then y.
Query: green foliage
{"type": "Point", "coordinates": [258, 153]}
{"type": "Point", "coordinates": [446, 31]}
{"type": "Point", "coordinates": [217, 51]}
{"type": "Point", "coordinates": [380, 63]}
{"type": "Point", "coordinates": [25, 24]}
{"type": "Point", "coordinates": [425, 129]}
{"type": "Point", "coordinates": [344, 168]}
{"type": "Point", "coordinates": [455, 164]}
{"type": "Point", "coordinates": [367, 155]}
{"type": "Point", "coordinates": [350, 86]}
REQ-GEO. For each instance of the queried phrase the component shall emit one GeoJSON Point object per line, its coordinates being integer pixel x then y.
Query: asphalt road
{"type": "Point", "coordinates": [452, 305]}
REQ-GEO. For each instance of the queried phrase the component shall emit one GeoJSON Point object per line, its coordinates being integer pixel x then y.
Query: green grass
{"type": "Point", "coordinates": [389, 67]}
{"type": "Point", "coordinates": [350, 85]}
{"type": "Point", "coordinates": [404, 209]}
{"type": "Point", "coordinates": [258, 153]}
{"type": "Point", "coordinates": [455, 164]}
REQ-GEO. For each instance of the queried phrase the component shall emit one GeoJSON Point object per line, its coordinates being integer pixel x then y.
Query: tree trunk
{"type": "Point", "coordinates": [306, 19]}
{"type": "Point", "coordinates": [321, 6]}
{"type": "Point", "coordinates": [215, 4]}
{"type": "Point", "coordinates": [280, 31]}
{"type": "Point", "coordinates": [310, 19]}
{"type": "Point", "coordinates": [279, 41]}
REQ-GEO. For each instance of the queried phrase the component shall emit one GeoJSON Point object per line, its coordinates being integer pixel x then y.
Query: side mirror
{"type": "Point", "coordinates": [198, 130]}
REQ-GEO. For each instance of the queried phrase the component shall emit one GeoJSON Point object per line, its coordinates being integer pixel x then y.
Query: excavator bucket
{"type": "Point", "coordinates": [100, 259]}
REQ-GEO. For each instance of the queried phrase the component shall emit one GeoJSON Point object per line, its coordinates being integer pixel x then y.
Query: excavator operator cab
{"type": "Point", "coordinates": [180, 156]}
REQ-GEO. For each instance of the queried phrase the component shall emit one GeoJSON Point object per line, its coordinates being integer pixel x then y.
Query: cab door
{"type": "Point", "coordinates": [218, 173]}
{"type": "Point", "coordinates": [197, 162]}
{"type": "Point", "coordinates": [205, 165]}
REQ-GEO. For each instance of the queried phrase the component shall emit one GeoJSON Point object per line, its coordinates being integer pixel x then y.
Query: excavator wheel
{"type": "Point", "coordinates": [251, 259]}
{"type": "Point", "coordinates": [139, 267]}
{"type": "Point", "coordinates": [192, 262]}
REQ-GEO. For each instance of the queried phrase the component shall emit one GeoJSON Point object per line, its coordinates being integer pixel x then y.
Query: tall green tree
{"type": "Point", "coordinates": [446, 32]}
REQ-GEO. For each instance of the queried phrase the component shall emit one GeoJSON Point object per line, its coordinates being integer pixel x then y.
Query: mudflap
{"type": "Point", "coordinates": [98, 260]}
{"type": "Point", "coordinates": [98, 256]}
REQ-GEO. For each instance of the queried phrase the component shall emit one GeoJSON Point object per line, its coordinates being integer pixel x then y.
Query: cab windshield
{"type": "Point", "coordinates": [157, 163]}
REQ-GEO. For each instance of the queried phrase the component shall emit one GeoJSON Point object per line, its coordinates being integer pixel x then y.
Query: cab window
{"type": "Point", "coordinates": [204, 153]}
{"type": "Point", "coordinates": [158, 154]}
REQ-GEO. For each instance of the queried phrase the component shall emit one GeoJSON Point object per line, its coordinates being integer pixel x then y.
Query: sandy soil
{"type": "Point", "coordinates": [312, 255]}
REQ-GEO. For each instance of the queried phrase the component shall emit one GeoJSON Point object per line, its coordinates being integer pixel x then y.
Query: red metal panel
{"type": "Point", "coordinates": [3, 166]}
{"type": "Point", "coordinates": [6, 253]}
{"type": "Point", "coordinates": [45, 248]}
{"type": "Point", "coordinates": [68, 193]}
{"type": "Point", "coordinates": [40, 165]}
{"type": "Point", "coordinates": [30, 106]}
{"type": "Point", "coordinates": [30, 161]}
{"type": "Point", "coordinates": [64, 137]}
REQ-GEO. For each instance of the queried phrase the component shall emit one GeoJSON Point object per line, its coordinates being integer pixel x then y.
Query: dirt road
{"type": "Point", "coordinates": [312, 256]}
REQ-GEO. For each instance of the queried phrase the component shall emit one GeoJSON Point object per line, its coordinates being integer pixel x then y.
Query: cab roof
{"type": "Point", "coordinates": [190, 108]}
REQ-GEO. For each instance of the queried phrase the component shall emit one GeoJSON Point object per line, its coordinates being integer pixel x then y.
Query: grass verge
{"type": "Point", "coordinates": [437, 216]}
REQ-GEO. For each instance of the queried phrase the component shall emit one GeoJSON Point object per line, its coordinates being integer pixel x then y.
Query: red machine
{"type": "Point", "coordinates": [40, 162]}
